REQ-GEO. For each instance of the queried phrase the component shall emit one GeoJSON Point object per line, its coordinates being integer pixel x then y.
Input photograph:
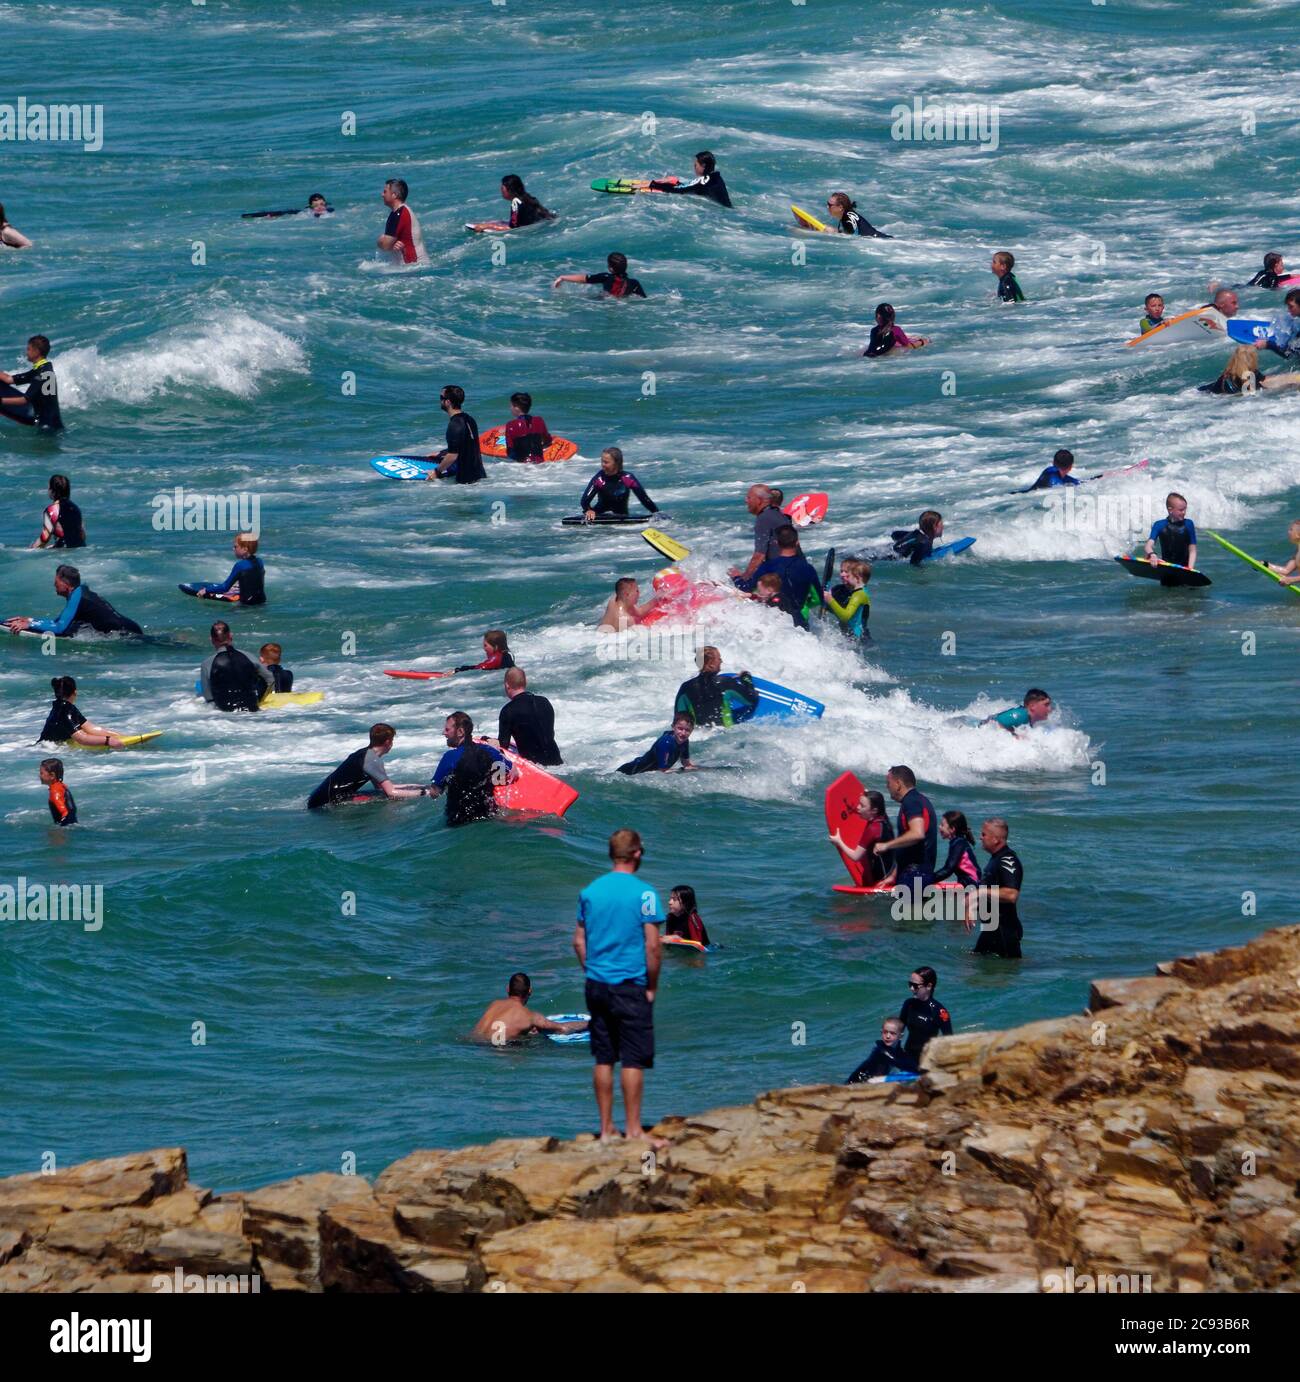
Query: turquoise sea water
{"type": "Point", "coordinates": [1123, 166]}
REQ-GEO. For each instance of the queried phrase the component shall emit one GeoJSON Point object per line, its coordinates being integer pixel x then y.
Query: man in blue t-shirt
{"type": "Point", "coordinates": [617, 943]}
{"type": "Point", "coordinates": [915, 846]}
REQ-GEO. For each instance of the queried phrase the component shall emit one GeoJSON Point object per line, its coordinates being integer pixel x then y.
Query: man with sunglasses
{"type": "Point", "coordinates": [460, 460]}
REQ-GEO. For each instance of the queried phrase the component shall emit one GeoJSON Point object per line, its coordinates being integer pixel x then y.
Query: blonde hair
{"type": "Point", "coordinates": [859, 570]}
{"type": "Point", "coordinates": [770, 582]}
{"type": "Point", "coordinates": [1242, 364]}
{"type": "Point", "coordinates": [248, 541]}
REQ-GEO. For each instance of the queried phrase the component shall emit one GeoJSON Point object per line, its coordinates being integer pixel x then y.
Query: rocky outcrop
{"type": "Point", "coordinates": [1156, 1136]}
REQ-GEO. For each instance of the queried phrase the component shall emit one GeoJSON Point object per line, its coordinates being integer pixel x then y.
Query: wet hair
{"type": "Point", "coordinates": [844, 200]}
{"type": "Point", "coordinates": [622, 584]}
{"type": "Point", "coordinates": [904, 774]}
{"type": "Point", "coordinates": [998, 823]}
{"type": "Point", "coordinates": [1034, 695]}
{"type": "Point", "coordinates": [1149, 296]}
{"type": "Point", "coordinates": [1242, 364]}
{"type": "Point", "coordinates": [682, 718]}
{"type": "Point", "coordinates": [1271, 260]}
{"type": "Point", "coordinates": [520, 985]}
{"type": "Point", "coordinates": [248, 541]}
{"type": "Point", "coordinates": [929, 521]}
{"type": "Point", "coordinates": [617, 263]}
{"type": "Point", "coordinates": [892, 1022]}
{"type": "Point", "coordinates": [315, 197]}
{"type": "Point", "coordinates": [496, 638]}
{"type": "Point", "coordinates": [60, 487]}
{"type": "Point", "coordinates": [1007, 258]}
{"type": "Point", "coordinates": [399, 186]}
{"type": "Point", "coordinates": [514, 184]}
{"type": "Point", "coordinates": [522, 401]}
{"type": "Point", "coordinates": [63, 687]}
{"type": "Point", "coordinates": [959, 825]}
{"type": "Point", "coordinates": [885, 314]}
{"type": "Point", "coordinates": [706, 160]}
{"type": "Point", "coordinates": [927, 975]}
{"type": "Point", "coordinates": [685, 894]}
{"type": "Point", "coordinates": [53, 766]}
{"type": "Point", "coordinates": [786, 536]}
{"type": "Point", "coordinates": [615, 453]}
{"type": "Point", "coordinates": [462, 723]}
{"type": "Point", "coordinates": [876, 800]}
{"type": "Point", "coordinates": [453, 394]}
{"type": "Point", "coordinates": [220, 632]}
{"type": "Point", "coordinates": [1292, 296]}
{"type": "Point", "coordinates": [516, 676]}
{"type": "Point", "coordinates": [770, 582]}
{"type": "Point", "coordinates": [271, 650]}
{"type": "Point", "coordinates": [64, 572]}
{"type": "Point", "coordinates": [1173, 494]}
{"type": "Point", "coordinates": [381, 734]}
{"type": "Point", "coordinates": [855, 567]}
{"type": "Point", "coordinates": [1063, 457]}
{"type": "Point", "coordinates": [623, 845]}
{"type": "Point", "coordinates": [42, 343]}
{"type": "Point", "coordinates": [774, 497]}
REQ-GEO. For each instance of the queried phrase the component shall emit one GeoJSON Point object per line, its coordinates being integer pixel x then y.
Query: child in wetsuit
{"type": "Point", "coordinates": [1175, 533]}
{"type": "Point", "coordinates": [497, 655]}
{"type": "Point", "coordinates": [247, 579]}
{"type": "Point", "coordinates": [887, 335]}
{"type": "Point", "coordinates": [1008, 289]}
{"type": "Point", "coordinates": [269, 655]}
{"type": "Point", "coordinates": [61, 525]}
{"type": "Point", "coordinates": [1155, 316]}
{"type": "Point", "coordinates": [683, 919]}
{"type": "Point", "coordinates": [961, 862]}
{"type": "Point", "coordinates": [915, 544]}
{"type": "Point", "coordinates": [616, 282]}
{"type": "Point", "coordinates": [670, 750]}
{"type": "Point", "coordinates": [525, 437]}
{"type": "Point", "coordinates": [62, 806]}
{"type": "Point", "coordinates": [768, 590]}
{"type": "Point", "coordinates": [849, 601]}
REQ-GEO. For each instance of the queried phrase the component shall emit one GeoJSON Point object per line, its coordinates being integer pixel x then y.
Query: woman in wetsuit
{"type": "Point", "coordinates": [851, 220]}
{"type": "Point", "coordinates": [525, 209]}
{"type": "Point", "coordinates": [65, 723]}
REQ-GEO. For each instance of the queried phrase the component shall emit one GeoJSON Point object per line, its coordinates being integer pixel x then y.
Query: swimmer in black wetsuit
{"type": "Point", "coordinates": [705, 698]}
{"type": "Point", "coordinates": [460, 459]}
{"type": "Point", "coordinates": [683, 916]}
{"type": "Point", "coordinates": [527, 721]}
{"type": "Point", "coordinates": [525, 209]}
{"type": "Point", "coordinates": [1270, 275]}
{"type": "Point", "coordinates": [671, 750]}
{"type": "Point", "coordinates": [61, 524]}
{"type": "Point", "coordinates": [269, 655]}
{"type": "Point", "coordinates": [961, 862]}
{"type": "Point", "coordinates": [851, 220]}
{"type": "Point", "coordinates": [616, 282]}
{"type": "Point", "coordinates": [887, 1056]}
{"type": "Point", "coordinates": [707, 182]}
{"type": "Point", "coordinates": [84, 611]}
{"type": "Point", "coordinates": [362, 769]}
{"type": "Point", "coordinates": [39, 406]}
{"type": "Point", "coordinates": [998, 895]}
{"type": "Point", "coordinates": [229, 679]}
{"type": "Point", "coordinates": [921, 1015]}
{"type": "Point", "coordinates": [65, 723]}
{"type": "Point", "coordinates": [915, 544]}
{"type": "Point", "coordinates": [525, 437]}
{"type": "Point", "coordinates": [468, 773]}
{"type": "Point", "coordinates": [610, 490]}
{"type": "Point", "coordinates": [1008, 287]}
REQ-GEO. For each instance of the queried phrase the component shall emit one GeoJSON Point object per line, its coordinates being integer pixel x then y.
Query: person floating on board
{"type": "Point", "coordinates": [877, 870]}
{"type": "Point", "coordinates": [318, 206]}
{"type": "Point", "coordinates": [526, 437]}
{"type": "Point", "coordinates": [683, 918]}
{"type": "Point", "coordinates": [849, 220]}
{"type": "Point", "coordinates": [616, 940]}
{"type": "Point", "coordinates": [610, 489]}
{"type": "Point", "coordinates": [10, 236]}
{"type": "Point", "coordinates": [622, 611]}
{"type": "Point", "coordinates": [247, 578]}
{"type": "Point", "coordinates": [706, 183]}
{"type": "Point", "coordinates": [66, 723]}
{"type": "Point", "coordinates": [849, 602]}
{"type": "Point", "coordinates": [801, 586]}
{"type": "Point", "coordinates": [229, 679]}
{"type": "Point", "coordinates": [1155, 313]}
{"type": "Point", "coordinates": [83, 612]}
{"type": "Point", "coordinates": [496, 654]}
{"type": "Point", "coordinates": [997, 895]}
{"type": "Point", "coordinates": [1284, 330]}
{"type": "Point", "coordinates": [915, 845]}
{"type": "Point", "coordinates": [63, 808]}
{"type": "Point", "coordinates": [961, 863]}
{"type": "Point", "coordinates": [461, 458]}
{"type": "Point", "coordinates": [61, 524]}
{"type": "Point", "coordinates": [1008, 288]}
{"type": "Point", "coordinates": [921, 1015]}
{"type": "Point", "coordinates": [508, 1019]}
{"type": "Point", "coordinates": [525, 209]}
{"type": "Point", "coordinates": [887, 1056]}
{"type": "Point", "coordinates": [615, 283]}
{"type": "Point", "coordinates": [1242, 375]}
{"type": "Point", "coordinates": [1270, 276]}
{"type": "Point", "coordinates": [362, 770]}
{"type": "Point", "coordinates": [269, 655]}
{"type": "Point", "coordinates": [527, 722]}
{"type": "Point", "coordinates": [915, 544]}
{"type": "Point", "coordinates": [1224, 301]}
{"type": "Point", "coordinates": [671, 750]}
{"type": "Point", "coordinates": [1290, 573]}
{"type": "Point", "coordinates": [38, 406]}
{"type": "Point", "coordinates": [765, 504]}
{"type": "Point", "coordinates": [468, 773]}
{"type": "Point", "coordinates": [401, 237]}
{"type": "Point", "coordinates": [887, 335]}
{"type": "Point", "coordinates": [1033, 710]}
{"type": "Point", "coordinates": [706, 697]}
{"type": "Point", "coordinates": [1059, 473]}
{"type": "Point", "coordinates": [1176, 534]}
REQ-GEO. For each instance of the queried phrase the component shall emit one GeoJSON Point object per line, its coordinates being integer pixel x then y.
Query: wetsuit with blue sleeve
{"type": "Point", "coordinates": [249, 574]}
{"type": "Point", "coordinates": [1175, 540]}
{"type": "Point", "coordinates": [1051, 478]}
{"type": "Point", "coordinates": [1011, 719]}
{"type": "Point", "coordinates": [665, 753]}
{"type": "Point", "coordinates": [86, 610]}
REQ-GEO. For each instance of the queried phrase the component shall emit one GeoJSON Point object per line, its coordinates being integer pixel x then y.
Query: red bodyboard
{"type": "Point", "coordinates": [842, 798]}
{"type": "Point", "coordinates": [807, 508]}
{"type": "Point", "coordinates": [535, 790]}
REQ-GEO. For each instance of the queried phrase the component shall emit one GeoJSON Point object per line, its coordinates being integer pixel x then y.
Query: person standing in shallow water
{"type": "Point", "coordinates": [998, 894]}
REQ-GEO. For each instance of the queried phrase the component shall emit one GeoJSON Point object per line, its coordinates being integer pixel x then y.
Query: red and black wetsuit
{"type": "Point", "coordinates": [526, 438]}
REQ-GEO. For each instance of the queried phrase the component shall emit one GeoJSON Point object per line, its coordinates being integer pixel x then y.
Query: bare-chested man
{"type": "Point", "coordinates": [509, 1018]}
{"type": "Point", "coordinates": [622, 612]}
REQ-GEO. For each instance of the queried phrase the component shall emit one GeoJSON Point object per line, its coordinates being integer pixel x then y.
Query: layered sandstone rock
{"type": "Point", "coordinates": [1155, 1136]}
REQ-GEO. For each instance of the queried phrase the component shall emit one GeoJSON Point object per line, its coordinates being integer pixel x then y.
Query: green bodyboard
{"type": "Point", "coordinates": [1250, 561]}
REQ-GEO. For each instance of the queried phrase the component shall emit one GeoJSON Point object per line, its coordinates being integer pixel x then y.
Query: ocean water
{"type": "Point", "coordinates": [336, 962]}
